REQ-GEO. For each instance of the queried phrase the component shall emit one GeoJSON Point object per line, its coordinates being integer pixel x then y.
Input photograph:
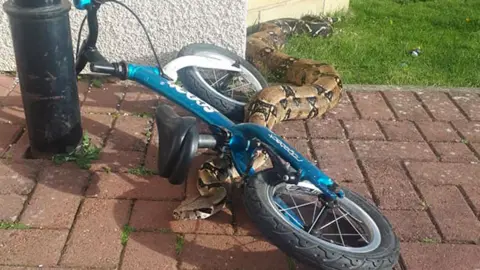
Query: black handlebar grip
{"type": "Point", "coordinates": [115, 69]}
{"type": "Point", "coordinates": [100, 68]}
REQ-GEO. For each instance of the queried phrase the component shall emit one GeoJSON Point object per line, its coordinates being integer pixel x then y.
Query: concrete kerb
{"type": "Point", "coordinates": [408, 88]}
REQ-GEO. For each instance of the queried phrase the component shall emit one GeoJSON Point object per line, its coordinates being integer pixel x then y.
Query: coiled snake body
{"type": "Point", "coordinates": [308, 89]}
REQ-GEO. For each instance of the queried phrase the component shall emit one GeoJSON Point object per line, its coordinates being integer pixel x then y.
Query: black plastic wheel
{"type": "Point", "coordinates": [195, 83]}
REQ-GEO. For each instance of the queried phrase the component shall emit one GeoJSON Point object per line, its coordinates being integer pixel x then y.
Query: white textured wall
{"type": "Point", "coordinates": [172, 24]}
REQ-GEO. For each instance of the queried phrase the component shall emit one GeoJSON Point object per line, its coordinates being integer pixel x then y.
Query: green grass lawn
{"type": "Point", "coordinates": [371, 43]}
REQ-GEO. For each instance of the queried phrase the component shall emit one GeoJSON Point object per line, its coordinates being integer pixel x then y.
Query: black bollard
{"type": "Point", "coordinates": [43, 48]}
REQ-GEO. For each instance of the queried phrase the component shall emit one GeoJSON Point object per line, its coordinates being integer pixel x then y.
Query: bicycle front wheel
{"type": "Point", "coordinates": [353, 234]}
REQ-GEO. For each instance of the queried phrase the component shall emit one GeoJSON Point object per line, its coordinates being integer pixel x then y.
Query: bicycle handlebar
{"type": "Point", "coordinates": [89, 52]}
{"type": "Point", "coordinates": [82, 4]}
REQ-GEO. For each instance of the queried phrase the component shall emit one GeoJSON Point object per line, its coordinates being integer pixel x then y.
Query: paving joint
{"type": "Point", "coordinates": [124, 247]}
{"type": "Point", "coordinates": [424, 106]}
{"type": "Point", "coordinates": [459, 108]}
{"type": "Point", "coordinates": [468, 201]}
{"type": "Point", "coordinates": [422, 198]}
{"type": "Point", "coordinates": [430, 145]}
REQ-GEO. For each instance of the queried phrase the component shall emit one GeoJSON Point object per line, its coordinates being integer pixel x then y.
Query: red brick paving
{"type": "Point", "coordinates": [476, 147]}
{"type": "Point", "coordinates": [363, 130]}
{"type": "Point", "coordinates": [12, 206]}
{"type": "Point", "coordinates": [469, 102]}
{"type": "Point", "coordinates": [438, 173]}
{"type": "Point", "coordinates": [327, 128]}
{"type": "Point", "coordinates": [243, 224]}
{"type": "Point", "coordinates": [454, 152]}
{"type": "Point", "coordinates": [372, 143]}
{"type": "Point", "coordinates": [103, 100]}
{"type": "Point", "coordinates": [391, 185]}
{"type": "Point", "coordinates": [469, 130]}
{"type": "Point", "coordinates": [56, 198]}
{"type": "Point", "coordinates": [129, 134]}
{"type": "Point", "coordinates": [16, 151]}
{"type": "Point", "coordinates": [402, 131]}
{"type": "Point", "coordinates": [130, 186]}
{"type": "Point", "coordinates": [83, 87]}
{"type": "Point", "coordinates": [31, 247]}
{"type": "Point", "coordinates": [440, 106]}
{"type": "Point", "coordinates": [406, 106]}
{"type": "Point", "coordinates": [332, 150]}
{"type": "Point", "coordinates": [343, 171]}
{"type": "Point", "coordinates": [148, 250]}
{"type": "Point", "coordinates": [412, 225]}
{"type": "Point", "coordinates": [8, 133]}
{"type": "Point", "coordinates": [17, 178]}
{"type": "Point", "coordinates": [138, 100]}
{"type": "Point", "coordinates": [455, 218]}
{"type": "Point", "coordinates": [95, 237]}
{"type": "Point", "coordinates": [398, 150]}
{"type": "Point", "coordinates": [291, 129]}
{"type": "Point", "coordinates": [371, 105]}
{"type": "Point", "coordinates": [424, 256]}
{"type": "Point", "coordinates": [473, 195]}
{"type": "Point", "coordinates": [98, 126]}
{"type": "Point", "coordinates": [230, 252]}
{"type": "Point", "coordinates": [438, 131]}
{"type": "Point", "coordinates": [118, 161]}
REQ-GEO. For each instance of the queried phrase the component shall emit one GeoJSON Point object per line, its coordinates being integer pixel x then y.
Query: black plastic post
{"type": "Point", "coordinates": [43, 48]}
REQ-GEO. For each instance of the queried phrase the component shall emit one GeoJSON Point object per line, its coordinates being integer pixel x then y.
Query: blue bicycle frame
{"type": "Point", "coordinates": [242, 135]}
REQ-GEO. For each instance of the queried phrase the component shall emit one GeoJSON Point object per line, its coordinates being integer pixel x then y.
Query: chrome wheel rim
{"type": "Point", "coordinates": [246, 82]}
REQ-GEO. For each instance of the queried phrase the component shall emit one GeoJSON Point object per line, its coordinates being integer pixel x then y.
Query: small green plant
{"type": "Point", "coordinates": [464, 141]}
{"type": "Point", "coordinates": [82, 156]}
{"type": "Point", "coordinates": [179, 244]}
{"type": "Point", "coordinates": [127, 230]}
{"type": "Point", "coordinates": [179, 83]}
{"type": "Point", "coordinates": [291, 263]}
{"type": "Point", "coordinates": [82, 78]}
{"type": "Point", "coordinates": [428, 240]}
{"type": "Point", "coordinates": [148, 134]}
{"type": "Point", "coordinates": [107, 169]}
{"type": "Point", "coordinates": [140, 171]}
{"type": "Point", "coordinates": [97, 83]}
{"type": "Point", "coordinates": [9, 156]}
{"type": "Point", "coordinates": [4, 225]}
{"type": "Point", "coordinates": [115, 115]}
{"type": "Point", "coordinates": [164, 230]}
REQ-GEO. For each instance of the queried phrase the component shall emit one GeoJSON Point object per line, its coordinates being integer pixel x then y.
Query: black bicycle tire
{"type": "Point", "coordinates": [191, 81]}
{"type": "Point", "coordinates": [313, 254]}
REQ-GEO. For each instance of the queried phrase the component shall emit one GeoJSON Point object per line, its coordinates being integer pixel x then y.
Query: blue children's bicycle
{"type": "Point", "coordinates": [290, 202]}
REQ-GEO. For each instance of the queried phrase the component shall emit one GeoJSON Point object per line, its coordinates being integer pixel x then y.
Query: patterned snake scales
{"type": "Point", "coordinates": [309, 89]}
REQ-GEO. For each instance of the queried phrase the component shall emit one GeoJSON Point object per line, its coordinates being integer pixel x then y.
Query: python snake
{"type": "Point", "coordinates": [308, 89]}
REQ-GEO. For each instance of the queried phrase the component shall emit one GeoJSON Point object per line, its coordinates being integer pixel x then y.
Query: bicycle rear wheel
{"type": "Point", "coordinates": [227, 91]}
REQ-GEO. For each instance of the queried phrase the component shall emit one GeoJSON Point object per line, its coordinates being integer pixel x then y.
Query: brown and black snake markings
{"type": "Point", "coordinates": [307, 89]}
